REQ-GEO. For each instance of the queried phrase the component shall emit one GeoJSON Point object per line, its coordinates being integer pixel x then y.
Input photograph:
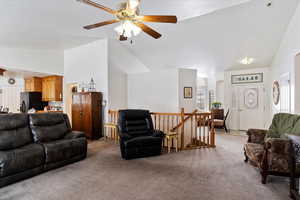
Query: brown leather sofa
{"type": "Point", "coordinates": [32, 144]}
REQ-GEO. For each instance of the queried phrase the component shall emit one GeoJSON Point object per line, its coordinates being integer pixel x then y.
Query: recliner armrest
{"type": "Point", "coordinates": [256, 136]}
{"type": "Point", "coordinates": [125, 136]}
{"type": "Point", "coordinates": [74, 135]}
{"type": "Point", "coordinates": [158, 133]}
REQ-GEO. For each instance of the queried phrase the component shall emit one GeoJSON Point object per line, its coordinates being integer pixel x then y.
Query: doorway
{"type": "Point", "coordinates": [69, 99]}
{"type": "Point", "coordinates": [250, 101]}
{"type": "Point", "coordinates": [285, 93]}
{"type": "Point", "coordinates": [296, 99]}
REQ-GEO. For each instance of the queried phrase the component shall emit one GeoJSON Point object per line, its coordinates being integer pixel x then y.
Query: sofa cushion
{"type": "Point", "coordinates": [143, 141]}
{"type": "Point", "coordinates": [64, 149]}
{"type": "Point", "coordinates": [21, 159]}
{"type": "Point", "coordinates": [254, 152]}
{"type": "Point", "coordinates": [48, 127]}
{"type": "Point", "coordinates": [14, 131]}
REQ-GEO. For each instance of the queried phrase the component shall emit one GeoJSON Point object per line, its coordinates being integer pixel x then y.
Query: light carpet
{"type": "Point", "coordinates": [204, 174]}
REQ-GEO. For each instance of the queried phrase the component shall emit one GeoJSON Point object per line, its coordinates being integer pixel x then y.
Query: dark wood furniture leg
{"type": "Point", "coordinates": [225, 127]}
{"type": "Point", "coordinates": [294, 178]}
{"type": "Point", "coordinates": [264, 175]}
{"type": "Point", "coordinates": [246, 157]}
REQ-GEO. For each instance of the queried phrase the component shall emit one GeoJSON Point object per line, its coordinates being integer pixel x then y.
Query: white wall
{"type": "Point", "coordinates": [187, 78]}
{"type": "Point", "coordinates": [117, 88]}
{"type": "Point", "coordinates": [284, 61]}
{"type": "Point", "coordinates": [220, 87]}
{"type": "Point", "coordinates": [44, 61]}
{"type": "Point", "coordinates": [124, 59]}
{"type": "Point", "coordinates": [155, 90]}
{"type": "Point", "coordinates": [86, 62]}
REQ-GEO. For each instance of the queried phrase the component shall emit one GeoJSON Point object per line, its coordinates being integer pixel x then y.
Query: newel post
{"type": "Point", "coordinates": [182, 128]}
{"type": "Point", "coordinates": [213, 134]}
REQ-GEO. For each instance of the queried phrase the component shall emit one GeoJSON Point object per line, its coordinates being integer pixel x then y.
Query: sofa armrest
{"type": "Point", "coordinates": [158, 133]}
{"type": "Point", "coordinates": [74, 135]}
{"type": "Point", "coordinates": [256, 136]}
{"type": "Point", "coordinates": [278, 146]}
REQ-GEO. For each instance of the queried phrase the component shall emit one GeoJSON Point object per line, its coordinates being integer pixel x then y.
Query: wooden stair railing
{"type": "Point", "coordinates": [195, 130]}
{"type": "Point", "coordinates": [111, 128]}
{"type": "Point", "coordinates": [181, 125]}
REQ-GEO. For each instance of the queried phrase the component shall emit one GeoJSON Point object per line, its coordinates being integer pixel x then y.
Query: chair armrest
{"type": "Point", "coordinates": [278, 146]}
{"type": "Point", "coordinates": [125, 136]}
{"type": "Point", "coordinates": [74, 135]}
{"type": "Point", "coordinates": [256, 136]}
{"type": "Point", "coordinates": [158, 133]}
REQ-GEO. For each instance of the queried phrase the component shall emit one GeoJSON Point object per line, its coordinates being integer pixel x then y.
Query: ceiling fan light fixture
{"type": "Point", "coordinates": [128, 29]}
{"type": "Point", "coordinates": [247, 61]}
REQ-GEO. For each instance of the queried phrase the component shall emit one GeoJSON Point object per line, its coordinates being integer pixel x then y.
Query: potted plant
{"type": "Point", "coordinates": [216, 105]}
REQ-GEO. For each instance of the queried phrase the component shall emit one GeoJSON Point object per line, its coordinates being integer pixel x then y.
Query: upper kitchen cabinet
{"type": "Point", "coordinates": [33, 84]}
{"type": "Point", "coordinates": [52, 88]}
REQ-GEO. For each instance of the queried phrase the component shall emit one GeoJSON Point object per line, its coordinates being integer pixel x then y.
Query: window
{"type": "Point", "coordinates": [285, 93]}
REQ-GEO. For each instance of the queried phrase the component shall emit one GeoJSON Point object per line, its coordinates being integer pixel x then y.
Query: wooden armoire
{"type": "Point", "coordinates": [87, 114]}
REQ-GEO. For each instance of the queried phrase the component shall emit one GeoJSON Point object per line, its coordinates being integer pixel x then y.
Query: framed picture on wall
{"type": "Point", "coordinates": [188, 92]}
{"type": "Point", "coordinates": [247, 78]}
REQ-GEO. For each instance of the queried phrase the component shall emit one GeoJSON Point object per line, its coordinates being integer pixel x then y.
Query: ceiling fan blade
{"type": "Point", "coordinates": [158, 18]}
{"type": "Point", "coordinates": [101, 24]}
{"type": "Point", "coordinates": [148, 30]}
{"type": "Point", "coordinates": [91, 3]}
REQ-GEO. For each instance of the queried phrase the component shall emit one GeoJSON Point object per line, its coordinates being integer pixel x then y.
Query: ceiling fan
{"type": "Point", "coordinates": [132, 22]}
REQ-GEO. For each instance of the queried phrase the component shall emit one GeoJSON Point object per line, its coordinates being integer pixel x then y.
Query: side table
{"type": "Point", "coordinates": [172, 136]}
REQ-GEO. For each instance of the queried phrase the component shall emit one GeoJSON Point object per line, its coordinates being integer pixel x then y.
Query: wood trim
{"type": "Point", "coordinates": [2, 71]}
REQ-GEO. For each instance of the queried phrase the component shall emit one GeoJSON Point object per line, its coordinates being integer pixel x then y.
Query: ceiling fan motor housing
{"type": "Point", "coordinates": [125, 13]}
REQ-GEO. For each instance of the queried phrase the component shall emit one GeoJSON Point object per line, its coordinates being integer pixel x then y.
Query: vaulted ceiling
{"type": "Point", "coordinates": [211, 35]}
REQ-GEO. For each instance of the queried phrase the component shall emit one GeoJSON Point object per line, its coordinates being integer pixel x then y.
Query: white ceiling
{"type": "Point", "coordinates": [207, 36]}
{"type": "Point", "coordinates": [217, 41]}
{"type": "Point", "coordinates": [57, 24]}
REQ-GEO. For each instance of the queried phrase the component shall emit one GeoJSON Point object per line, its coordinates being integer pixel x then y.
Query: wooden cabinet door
{"type": "Point", "coordinates": [37, 84]}
{"type": "Point", "coordinates": [58, 88]}
{"type": "Point", "coordinates": [77, 113]}
{"type": "Point", "coordinates": [87, 115]}
{"type": "Point", "coordinates": [33, 84]}
{"type": "Point", "coordinates": [45, 89]}
{"type": "Point", "coordinates": [96, 114]}
{"type": "Point", "coordinates": [52, 88]}
{"type": "Point", "coordinates": [27, 85]}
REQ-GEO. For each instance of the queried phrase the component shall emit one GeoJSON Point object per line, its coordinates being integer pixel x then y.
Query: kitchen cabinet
{"type": "Point", "coordinates": [87, 114]}
{"type": "Point", "coordinates": [52, 88]}
{"type": "Point", "coordinates": [33, 84]}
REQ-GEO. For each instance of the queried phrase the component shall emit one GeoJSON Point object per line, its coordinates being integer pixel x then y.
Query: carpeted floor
{"type": "Point", "coordinates": [205, 174]}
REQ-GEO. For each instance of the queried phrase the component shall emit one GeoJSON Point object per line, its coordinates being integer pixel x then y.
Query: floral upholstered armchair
{"type": "Point", "coordinates": [268, 149]}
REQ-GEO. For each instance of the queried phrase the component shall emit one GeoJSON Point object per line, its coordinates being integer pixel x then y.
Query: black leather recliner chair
{"type": "Point", "coordinates": [137, 135]}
